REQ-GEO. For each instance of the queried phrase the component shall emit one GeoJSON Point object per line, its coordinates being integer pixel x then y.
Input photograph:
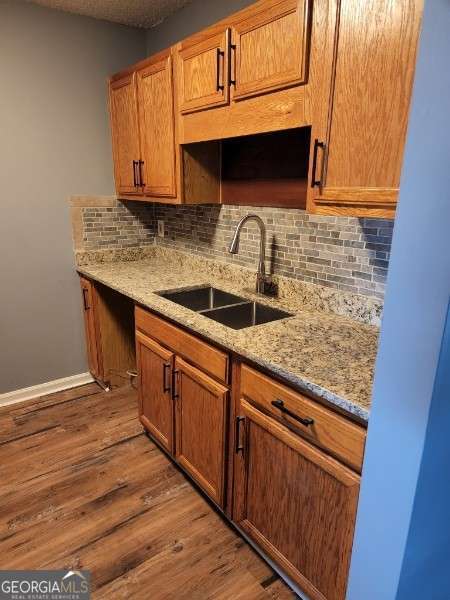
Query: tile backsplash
{"type": "Point", "coordinates": [343, 253]}
{"type": "Point", "coordinates": [118, 226]}
{"type": "Point", "coordinates": [349, 254]}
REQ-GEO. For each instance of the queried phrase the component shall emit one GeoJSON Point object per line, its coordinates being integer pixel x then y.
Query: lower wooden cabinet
{"type": "Point", "coordinates": [156, 409]}
{"type": "Point", "coordinates": [295, 502]}
{"type": "Point", "coordinates": [181, 406]}
{"type": "Point", "coordinates": [201, 417]}
{"type": "Point", "coordinates": [286, 487]}
{"type": "Point", "coordinates": [109, 331]}
{"type": "Point", "coordinates": [91, 329]}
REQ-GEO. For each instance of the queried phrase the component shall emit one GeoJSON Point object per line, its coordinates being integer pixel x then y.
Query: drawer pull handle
{"type": "Point", "coordinates": [220, 55]}
{"type": "Point", "coordinates": [238, 446]}
{"type": "Point", "coordinates": [232, 65]}
{"type": "Point", "coordinates": [175, 392]}
{"type": "Point", "coordinates": [316, 182]}
{"type": "Point", "coordinates": [280, 405]}
{"type": "Point", "coordinates": [85, 299]}
{"type": "Point", "coordinates": [166, 386]}
{"type": "Point", "coordinates": [141, 179]}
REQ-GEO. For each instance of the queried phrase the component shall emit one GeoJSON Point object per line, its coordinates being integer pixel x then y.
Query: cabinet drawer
{"type": "Point", "coordinates": [203, 355]}
{"type": "Point", "coordinates": [330, 431]}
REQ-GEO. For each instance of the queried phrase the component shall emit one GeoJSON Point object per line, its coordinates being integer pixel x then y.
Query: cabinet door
{"type": "Point", "coordinates": [125, 134]}
{"type": "Point", "coordinates": [154, 366]}
{"type": "Point", "coordinates": [201, 428]}
{"type": "Point", "coordinates": [271, 48]}
{"type": "Point", "coordinates": [91, 329]}
{"type": "Point", "coordinates": [295, 502]}
{"type": "Point", "coordinates": [374, 70]}
{"type": "Point", "coordinates": [156, 120]}
{"type": "Point", "coordinates": [203, 73]}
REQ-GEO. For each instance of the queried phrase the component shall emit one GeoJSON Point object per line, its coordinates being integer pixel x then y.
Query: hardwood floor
{"type": "Point", "coordinates": [83, 487]}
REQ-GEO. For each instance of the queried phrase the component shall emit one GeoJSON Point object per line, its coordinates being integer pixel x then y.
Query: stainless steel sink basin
{"type": "Point", "coordinates": [246, 314]}
{"type": "Point", "coordinates": [231, 310]}
{"type": "Point", "coordinates": [202, 298]}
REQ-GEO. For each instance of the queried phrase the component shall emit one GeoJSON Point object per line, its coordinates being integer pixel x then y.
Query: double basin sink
{"type": "Point", "coordinates": [230, 310]}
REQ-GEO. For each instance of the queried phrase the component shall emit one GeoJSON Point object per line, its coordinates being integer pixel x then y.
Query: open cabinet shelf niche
{"type": "Point", "coordinates": [268, 169]}
{"type": "Point", "coordinates": [117, 349]}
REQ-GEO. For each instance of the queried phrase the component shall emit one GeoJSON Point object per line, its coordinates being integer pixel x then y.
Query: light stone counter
{"type": "Point", "coordinates": [329, 356]}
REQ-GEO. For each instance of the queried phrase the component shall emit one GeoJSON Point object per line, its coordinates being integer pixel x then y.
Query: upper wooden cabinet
{"type": "Point", "coordinates": [250, 70]}
{"type": "Point", "coordinates": [156, 119]}
{"type": "Point", "coordinates": [340, 70]}
{"type": "Point", "coordinates": [149, 163]}
{"type": "Point", "coordinates": [358, 161]}
{"type": "Point", "coordinates": [269, 48]}
{"type": "Point", "coordinates": [143, 130]}
{"type": "Point", "coordinates": [125, 134]}
{"type": "Point", "coordinates": [265, 50]}
{"type": "Point", "coordinates": [203, 77]}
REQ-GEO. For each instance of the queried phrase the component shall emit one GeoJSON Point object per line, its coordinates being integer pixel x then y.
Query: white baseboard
{"type": "Point", "coordinates": [43, 389]}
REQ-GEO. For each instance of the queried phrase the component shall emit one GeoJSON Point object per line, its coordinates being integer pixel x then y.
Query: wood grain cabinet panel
{"type": "Point", "coordinates": [125, 134]}
{"type": "Point", "coordinates": [156, 119]}
{"type": "Point", "coordinates": [156, 409]}
{"type": "Point", "coordinates": [373, 74]}
{"type": "Point", "coordinates": [334, 433]}
{"type": "Point", "coordinates": [296, 503]}
{"type": "Point", "coordinates": [92, 333]}
{"type": "Point", "coordinates": [208, 358]}
{"type": "Point", "coordinates": [271, 48]}
{"type": "Point", "coordinates": [203, 72]}
{"type": "Point", "coordinates": [201, 413]}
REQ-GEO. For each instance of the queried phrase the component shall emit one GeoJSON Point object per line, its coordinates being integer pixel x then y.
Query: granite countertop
{"type": "Point", "coordinates": [329, 356]}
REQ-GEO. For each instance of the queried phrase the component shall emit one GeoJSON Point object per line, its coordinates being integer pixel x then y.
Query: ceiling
{"type": "Point", "coordinates": [138, 13]}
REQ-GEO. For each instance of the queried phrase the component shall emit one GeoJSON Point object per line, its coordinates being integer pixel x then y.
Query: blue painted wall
{"type": "Point", "coordinates": [426, 566]}
{"type": "Point", "coordinates": [404, 448]}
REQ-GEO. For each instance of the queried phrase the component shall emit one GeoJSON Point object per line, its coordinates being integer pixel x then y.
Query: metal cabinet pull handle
{"type": "Point", "coordinates": [135, 162]}
{"type": "Point", "coordinates": [280, 405]}
{"type": "Point", "coordinates": [316, 182]}
{"type": "Point", "coordinates": [141, 179]}
{"type": "Point", "coordinates": [220, 54]}
{"type": "Point", "coordinates": [85, 299]}
{"type": "Point", "coordinates": [175, 394]}
{"type": "Point", "coordinates": [166, 387]}
{"type": "Point", "coordinates": [237, 440]}
{"type": "Point", "coordinates": [232, 64]}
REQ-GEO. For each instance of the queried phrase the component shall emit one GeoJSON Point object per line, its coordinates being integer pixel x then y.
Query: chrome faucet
{"type": "Point", "coordinates": [263, 283]}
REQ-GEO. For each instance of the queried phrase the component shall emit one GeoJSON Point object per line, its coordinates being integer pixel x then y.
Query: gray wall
{"type": "Point", "coordinates": [190, 19]}
{"type": "Point", "coordinates": [54, 142]}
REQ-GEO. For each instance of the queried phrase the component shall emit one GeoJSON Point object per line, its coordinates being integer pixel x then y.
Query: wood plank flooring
{"type": "Point", "coordinates": [83, 487]}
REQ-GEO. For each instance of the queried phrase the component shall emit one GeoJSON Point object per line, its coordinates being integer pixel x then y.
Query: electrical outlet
{"type": "Point", "coordinates": [160, 228]}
